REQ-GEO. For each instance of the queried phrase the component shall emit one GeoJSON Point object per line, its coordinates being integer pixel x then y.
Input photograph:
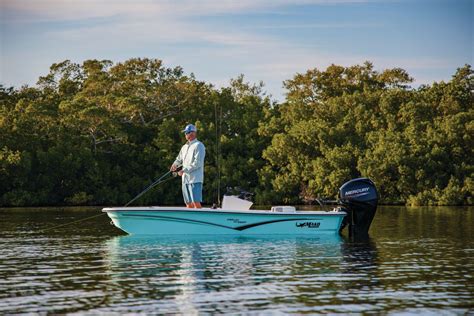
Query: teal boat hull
{"type": "Point", "coordinates": [184, 221]}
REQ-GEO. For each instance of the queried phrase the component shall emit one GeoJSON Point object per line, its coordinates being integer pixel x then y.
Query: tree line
{"type": "Point", "coordinates": [99, 132]}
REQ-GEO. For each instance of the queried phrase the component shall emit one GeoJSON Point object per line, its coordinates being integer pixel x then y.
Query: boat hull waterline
{"type": "Point", "coordinates": [184, 221]}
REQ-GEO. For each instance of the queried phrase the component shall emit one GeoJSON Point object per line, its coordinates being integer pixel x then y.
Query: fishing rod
{"type": "Point", "coordinates": [155, 183]}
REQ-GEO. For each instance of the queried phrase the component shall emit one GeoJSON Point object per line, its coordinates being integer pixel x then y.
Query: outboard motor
{"type": "Point", "coordinates": [359, 198]}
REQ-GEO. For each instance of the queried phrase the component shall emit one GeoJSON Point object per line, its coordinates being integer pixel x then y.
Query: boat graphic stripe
{"type": "Point", "coordinates": [244, 227]}
{"type": "Point", "coordinates": [239, 228]}
{"type": "Point", "coordinates": [177, 219]}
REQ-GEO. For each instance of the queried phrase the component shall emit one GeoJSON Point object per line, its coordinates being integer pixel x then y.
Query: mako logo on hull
{"type": "Point", "coordinates": [308, 224]}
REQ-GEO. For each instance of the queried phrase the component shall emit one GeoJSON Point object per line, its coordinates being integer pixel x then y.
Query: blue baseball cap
{"type": "Point", "coordinates": [190, 128]}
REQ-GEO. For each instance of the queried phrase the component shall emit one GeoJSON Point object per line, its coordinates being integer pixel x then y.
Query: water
{"type": "Point", "coordinates": [418, 260]}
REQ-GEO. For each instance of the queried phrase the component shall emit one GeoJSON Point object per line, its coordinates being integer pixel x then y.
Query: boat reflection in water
{"type": "Point", "coordinates": [360, 261]}
{"type": "Point", "coordinates": [192, 274]}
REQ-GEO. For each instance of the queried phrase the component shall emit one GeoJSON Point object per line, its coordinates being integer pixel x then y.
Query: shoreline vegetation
{"type": "Point", "coordinates": [99, 132]}
{"type": "Point", "coordinates": [302, 207]}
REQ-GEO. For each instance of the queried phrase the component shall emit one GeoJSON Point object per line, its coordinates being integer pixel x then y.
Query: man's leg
{"type": "Point", "coordinates": [195, 191]}
{"type": "Point", "coordinates": [187, 196]}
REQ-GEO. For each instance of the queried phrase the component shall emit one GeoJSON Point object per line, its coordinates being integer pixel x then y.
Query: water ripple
{"type": "Point", "coordinates": [92, 270]}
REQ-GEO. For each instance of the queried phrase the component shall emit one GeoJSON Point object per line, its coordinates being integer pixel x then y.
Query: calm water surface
{"type": "Point", "coordinates": [418, 260]}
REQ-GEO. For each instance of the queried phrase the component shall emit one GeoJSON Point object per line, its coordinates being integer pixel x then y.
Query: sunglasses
{"type": "Point", "coordinates": [188, 132]}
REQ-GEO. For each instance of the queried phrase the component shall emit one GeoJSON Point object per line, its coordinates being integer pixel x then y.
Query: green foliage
{"type": "Point", "coordinates": [416, 144]}
{"type": "Point", "coordinates": [97, 133]}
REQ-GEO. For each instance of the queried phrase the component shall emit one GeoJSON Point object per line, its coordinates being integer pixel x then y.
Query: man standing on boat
{"type": "Point", "coordinates": [191, 158]}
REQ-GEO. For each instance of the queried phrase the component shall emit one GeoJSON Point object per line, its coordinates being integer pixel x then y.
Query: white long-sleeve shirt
{"type": "Point", "coordinates": [191, 157]}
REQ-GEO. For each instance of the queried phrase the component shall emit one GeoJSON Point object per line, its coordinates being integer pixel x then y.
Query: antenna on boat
{"type": "Point", "coordinates": [218, 142]}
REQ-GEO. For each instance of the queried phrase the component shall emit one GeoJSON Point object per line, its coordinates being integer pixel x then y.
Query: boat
{"type": "Point", "coordinates": [180, 220]}
{"type": "Point", "coordinates": [355, 208]}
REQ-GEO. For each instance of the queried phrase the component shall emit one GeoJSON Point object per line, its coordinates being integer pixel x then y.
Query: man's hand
{"type": "Point", "coordinates": [173, 167]}
{"type": "Point", "coordinates": [180, 173]}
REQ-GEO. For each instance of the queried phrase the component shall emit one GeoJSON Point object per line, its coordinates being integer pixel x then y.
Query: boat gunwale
{"type": "Point", "coordinates": [217, 211]}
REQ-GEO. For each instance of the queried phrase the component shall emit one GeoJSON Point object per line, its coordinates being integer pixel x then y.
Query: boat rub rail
{"type": "Point", "coordinates": [210, 210]}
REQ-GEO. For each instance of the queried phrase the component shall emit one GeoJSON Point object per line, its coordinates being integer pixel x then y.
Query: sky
{"type": "Point", "coordinates": [266, 40]}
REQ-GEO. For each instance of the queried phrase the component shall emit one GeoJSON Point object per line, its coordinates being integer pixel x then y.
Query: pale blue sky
{"type": "Point", "coordinates": [268, 40]}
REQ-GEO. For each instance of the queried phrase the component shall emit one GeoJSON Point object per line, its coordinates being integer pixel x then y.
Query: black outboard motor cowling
{"type": "Point", "coordinates": [359, 198]}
